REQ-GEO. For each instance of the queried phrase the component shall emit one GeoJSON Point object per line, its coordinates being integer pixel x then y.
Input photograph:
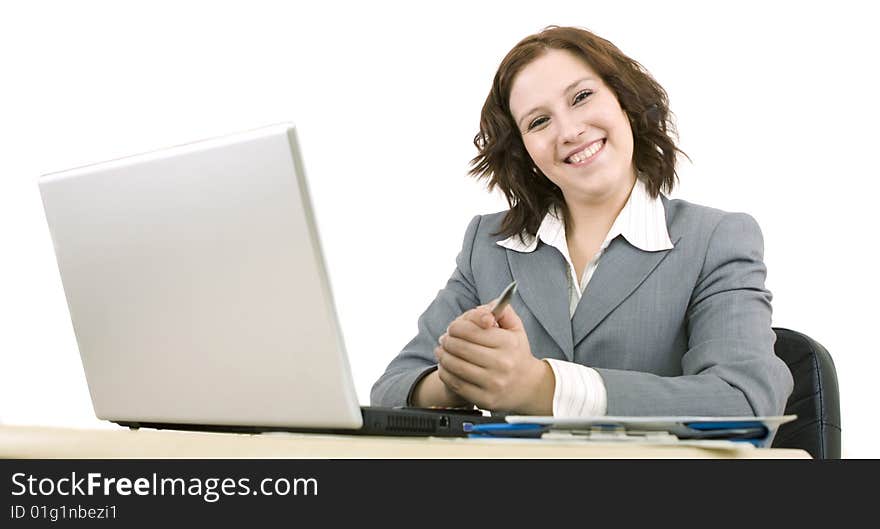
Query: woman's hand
{"type": "Point", "coordinates": [491, 364]}
{"type": "Point", "coordinates": [431, 391]}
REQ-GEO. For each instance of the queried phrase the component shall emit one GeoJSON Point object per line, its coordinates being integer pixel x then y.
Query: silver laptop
{"type": "Point", "coordinates": [199, 297]}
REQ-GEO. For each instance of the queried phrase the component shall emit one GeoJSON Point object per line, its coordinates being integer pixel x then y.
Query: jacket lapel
{"type": "Point", "coordinates": [621, 270]}
{"type": "Point", "coordinates": [542, 283]}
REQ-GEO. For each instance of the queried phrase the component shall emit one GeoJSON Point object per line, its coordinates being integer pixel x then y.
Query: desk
{"type": "Point", "coordinates": [49, 442]}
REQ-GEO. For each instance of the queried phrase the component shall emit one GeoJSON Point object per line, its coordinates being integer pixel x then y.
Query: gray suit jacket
{"type": "Point", "coordinates": [685, 331]}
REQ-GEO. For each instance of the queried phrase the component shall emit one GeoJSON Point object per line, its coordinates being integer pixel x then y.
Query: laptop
{"type": "Point", "coordinates": [199, 296]}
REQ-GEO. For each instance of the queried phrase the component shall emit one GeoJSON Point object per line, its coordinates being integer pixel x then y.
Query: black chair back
{"type": "Point", "coordinates": [815, 398]}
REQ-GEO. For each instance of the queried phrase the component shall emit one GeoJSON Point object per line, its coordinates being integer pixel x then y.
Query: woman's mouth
{"type": "Point", "coordinates": [587, 154]}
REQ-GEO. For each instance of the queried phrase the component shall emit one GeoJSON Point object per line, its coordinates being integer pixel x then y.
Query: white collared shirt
{"type": "Point", "coordinates": [580, 390]}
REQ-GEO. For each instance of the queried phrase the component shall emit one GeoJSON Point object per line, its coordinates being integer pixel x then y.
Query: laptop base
{"type": "Point", "coordinates": [406, 422]}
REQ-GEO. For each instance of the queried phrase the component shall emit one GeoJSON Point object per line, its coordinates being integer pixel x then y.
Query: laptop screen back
{"type": "Point", "coordinates": [197, 289]}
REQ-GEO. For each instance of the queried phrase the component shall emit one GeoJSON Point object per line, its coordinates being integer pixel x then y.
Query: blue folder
{"type": "Point", "coordinates": [754, 430]}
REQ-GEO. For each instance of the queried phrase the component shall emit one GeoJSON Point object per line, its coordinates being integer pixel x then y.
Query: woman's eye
{"type": "Point", "coordinates": [538, 122]}
{"type": "Point", "coordinates": [581, 96]}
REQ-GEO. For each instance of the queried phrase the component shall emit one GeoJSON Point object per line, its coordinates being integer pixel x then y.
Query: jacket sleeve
{"type": "Point", "coordinates": [416, 360]}
{"type": "Point", "coordinates": [730, 367]}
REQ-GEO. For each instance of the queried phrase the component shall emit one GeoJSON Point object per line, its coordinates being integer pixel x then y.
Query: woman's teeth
{"type": "Point", "coordinates": [586, 153]}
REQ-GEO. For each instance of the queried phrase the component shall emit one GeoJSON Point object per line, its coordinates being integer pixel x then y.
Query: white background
{"type": "Point", "coordinates": [776, 104]}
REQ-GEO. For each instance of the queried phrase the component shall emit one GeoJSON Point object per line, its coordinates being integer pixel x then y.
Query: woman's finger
{"type": "Point", "coordinates": [491, 336]}
{"type": "Point", "coordinates": [474, 353]}
{"type": "Point", "coordinates": [468, 391]}
{"type": "Point", "coordinates": [462, 368]}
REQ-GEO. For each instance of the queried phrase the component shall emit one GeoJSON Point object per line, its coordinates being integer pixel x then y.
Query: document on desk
{"type": "Point", "coordinates": [753, 430]}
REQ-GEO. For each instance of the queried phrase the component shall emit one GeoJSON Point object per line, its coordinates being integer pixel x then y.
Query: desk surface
{"type": "Point", "coordinates": [50, 442]}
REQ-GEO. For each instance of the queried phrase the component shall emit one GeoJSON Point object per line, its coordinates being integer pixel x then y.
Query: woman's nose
{"type": "Point", "coordinates": [570, 129]}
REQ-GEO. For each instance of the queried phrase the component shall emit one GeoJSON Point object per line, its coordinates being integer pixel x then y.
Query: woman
{"type": "Point", "coordinates": [628, 303]}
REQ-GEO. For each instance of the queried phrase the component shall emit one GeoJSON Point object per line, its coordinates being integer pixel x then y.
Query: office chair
{"type": "Point", "coordinates": [815, 398]}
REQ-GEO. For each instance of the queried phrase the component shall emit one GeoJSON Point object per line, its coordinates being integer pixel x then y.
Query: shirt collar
{"type": "Point", "coordinates": [642, 222]}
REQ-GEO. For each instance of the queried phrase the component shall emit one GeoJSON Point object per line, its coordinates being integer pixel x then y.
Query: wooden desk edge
{"type": "Point", "coordinates": [27, 442]}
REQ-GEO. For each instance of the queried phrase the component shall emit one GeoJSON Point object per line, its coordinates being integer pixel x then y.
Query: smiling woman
{"type": "Point", "coordinates": [628, 303]}
{"type": "Point", "coordinates": [574, 68]}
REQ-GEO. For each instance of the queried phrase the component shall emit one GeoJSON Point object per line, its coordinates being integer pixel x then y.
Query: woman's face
{"type": "Point", "coordinates": [573, 128]}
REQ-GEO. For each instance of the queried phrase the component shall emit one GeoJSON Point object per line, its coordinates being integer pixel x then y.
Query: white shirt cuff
{"type": "Point", "coordinates": [580, 391]}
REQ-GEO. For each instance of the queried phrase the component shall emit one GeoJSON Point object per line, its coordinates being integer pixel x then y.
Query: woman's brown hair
{"type": "Point", "coordinates": [503, 158]}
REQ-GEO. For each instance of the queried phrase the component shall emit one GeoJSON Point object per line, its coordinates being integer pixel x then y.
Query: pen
{"type": "Point", "coordinates": [504, 430]}
{"type": "Point", "coordinates": [504, 300]}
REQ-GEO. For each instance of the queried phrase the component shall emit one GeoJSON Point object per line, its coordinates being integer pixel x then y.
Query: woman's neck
{"type": "Point", "coordinates": [594, 218]}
